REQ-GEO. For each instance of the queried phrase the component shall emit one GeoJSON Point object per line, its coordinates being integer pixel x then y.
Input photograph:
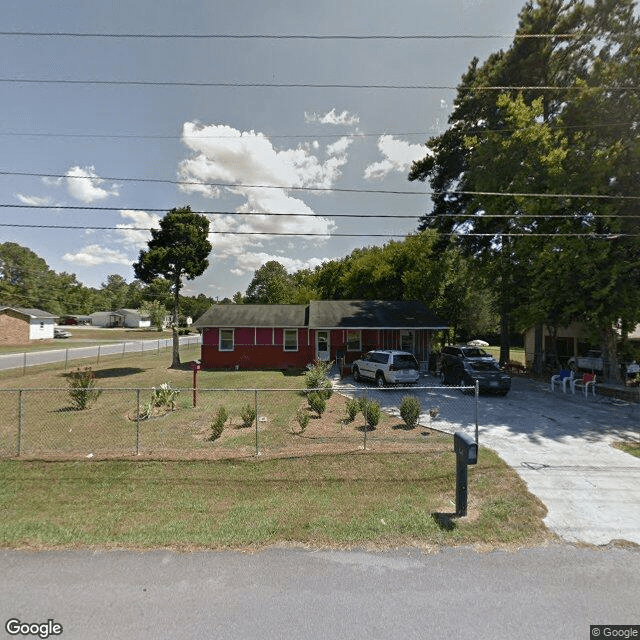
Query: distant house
{"type": "Point", "coordinates": [19, 325]}
{"type": "Point", "coordinates": [131, 318]}
{"type": "Point", "coordinates": [291, 336]}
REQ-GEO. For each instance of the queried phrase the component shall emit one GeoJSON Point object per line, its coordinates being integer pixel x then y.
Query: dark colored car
{"type": "Point", "coordinates": [463, 366]}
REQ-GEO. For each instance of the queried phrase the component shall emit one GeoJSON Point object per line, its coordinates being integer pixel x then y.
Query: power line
{"type": "Point", "coordinates": [304, 214]}
{"type": "Point", "coordinates": [306, 85]}
{"type": "Point", "coordinates": [325, 189]}
{"type": "Point", "coordinates": [267, 36]}
{"type": "Point", "coordinates": [158, 136]}
{"type": "Point", "coordinates": [603, 236]}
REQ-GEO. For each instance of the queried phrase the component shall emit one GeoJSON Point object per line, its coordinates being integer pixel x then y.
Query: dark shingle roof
{"type": "Point", "coordinates": [323, 314]}
{"type": "Point", "coordinates": [253, 315]}
{"type": "Point", "coordinates": [364, 314]}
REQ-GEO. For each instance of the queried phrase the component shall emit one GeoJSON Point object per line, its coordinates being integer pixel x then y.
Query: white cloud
{"type": "Point", "coordinates": [35, 201]}
{"type": "Point", "coordinates": [251, 262]}
{"type": "Point", "coordinates": [133, 236]}
{"type": "Point", "coordinates": [344, 118]}
{"type": "Point", "coordinates": [398, 156]}
{"type": "Point", "coordinates": [93, 255]}
{"type": "Point", "coordinates": [225, 156]}
{"type": "Point", "coordinates": [84, 184]}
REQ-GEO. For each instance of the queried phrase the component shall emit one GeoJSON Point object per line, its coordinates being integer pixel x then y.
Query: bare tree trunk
{"type": "Point", "coordinates": [175, 360]}
{"type": "Point", "coordinates": [610, 368]}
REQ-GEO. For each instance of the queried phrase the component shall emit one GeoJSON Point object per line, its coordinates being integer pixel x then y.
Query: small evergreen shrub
{"type": "Point", "coordinates": [82, 388]}
{"type": "Point", "coordinates": [316, 378]}
{"type": "Point", "coordinates": [372, 413]}
{"type": "Point", "coordinates": [353, 406]}
{"type": "Point", "coordinates": [247, 415]}
{"type": "Point", "coordinates": [410, 411]}
{"type": "Point", "coordinates": [303, 419]}
{"type": "Point", "coordinates": [218, 423]}
{"type": "Point", "coordinates": [317, 402]}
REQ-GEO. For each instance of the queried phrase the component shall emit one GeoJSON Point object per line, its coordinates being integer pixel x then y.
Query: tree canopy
{"type": "Point", "coordinates": [534, 180]}
{"type": "Point", "coordinates": [178, 249]}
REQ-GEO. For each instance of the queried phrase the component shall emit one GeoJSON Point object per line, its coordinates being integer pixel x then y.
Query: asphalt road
{"type": "Point", "coordinates": [68, 354]}
{"type": "Point", "coordinates": [552, 592]}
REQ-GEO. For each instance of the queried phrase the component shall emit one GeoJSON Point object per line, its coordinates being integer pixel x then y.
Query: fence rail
{"type": "Point", "coordinates": [45, 423]}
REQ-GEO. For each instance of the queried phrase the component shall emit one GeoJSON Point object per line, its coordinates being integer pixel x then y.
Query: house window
{"type": "Point", "coordinates": [290, 339]}
{"type": "Point", "coordinates": [354, 340]}
{"type": "Point", "coordinates": [226, 340]}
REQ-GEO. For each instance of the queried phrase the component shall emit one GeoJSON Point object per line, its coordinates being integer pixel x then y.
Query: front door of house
{"type": "Point", "coordinates": [322, 346]}
{"type": "Point", "coordinates": [406, 341]}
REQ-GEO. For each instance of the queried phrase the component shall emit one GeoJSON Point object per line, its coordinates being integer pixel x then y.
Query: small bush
{"type": "Point", "coordinates": [316, 378]}
{"type": "Point", "coordinates": [372, 413]}
{"type": "Point", "coordinates": [248, 415]}
{"type": "Point", "coordinates": [82, 388]}
{"type": "Point", "coordinates": [303, 419]}
{"type": "Point", "coordinates": [317, 402]}
{"type": "Point", "coordinates": [164, 396]}
{"type": "Point", "coordinates": [218, 423]}
{"type": "Point", "coordinates": [353, 406]}
{"type": "Point", "coordinates": [410, 411]}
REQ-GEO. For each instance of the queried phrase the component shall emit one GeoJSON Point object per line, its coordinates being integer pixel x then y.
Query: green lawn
{"type": "Point", "coordinates": [317, 488]}
{"type": "Point", "coordinates": [349, 499]}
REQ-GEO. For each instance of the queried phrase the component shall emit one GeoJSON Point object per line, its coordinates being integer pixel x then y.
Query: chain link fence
{"type": "Point", "coordinates": [167, 423]}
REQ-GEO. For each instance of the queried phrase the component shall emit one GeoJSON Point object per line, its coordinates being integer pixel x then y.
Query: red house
{"type": "Point", "coordinates": [256, 336]}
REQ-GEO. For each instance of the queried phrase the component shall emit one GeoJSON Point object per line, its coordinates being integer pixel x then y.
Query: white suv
{"type": "Point", "coordinates": [387, 367]}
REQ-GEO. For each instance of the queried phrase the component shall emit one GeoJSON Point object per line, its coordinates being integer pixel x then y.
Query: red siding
{"type": "Point", "coordinates": [263, 348]}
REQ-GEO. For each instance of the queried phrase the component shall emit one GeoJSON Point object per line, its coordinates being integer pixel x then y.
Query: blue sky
{"type": "Point", "coordinates": [94, 140]}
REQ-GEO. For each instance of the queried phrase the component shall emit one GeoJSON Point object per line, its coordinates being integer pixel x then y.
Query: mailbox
{"type": "Point", "coordinates": [465, 447]}
{"type": "Point", "coordinates": [196, 365]}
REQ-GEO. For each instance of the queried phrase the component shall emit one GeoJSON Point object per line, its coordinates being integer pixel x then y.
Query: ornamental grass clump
{"type": "Point", "coordinates": [82, 388]}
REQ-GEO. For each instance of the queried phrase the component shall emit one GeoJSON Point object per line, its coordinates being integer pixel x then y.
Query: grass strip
{"type": "Point", "coordinates": [324, 500]}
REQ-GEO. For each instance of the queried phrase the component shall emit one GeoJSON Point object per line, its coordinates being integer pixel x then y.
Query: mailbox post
{"type": "Point", "coordinates": [466, 450]}
{"type": "Point", "coordinates": [196, 365]}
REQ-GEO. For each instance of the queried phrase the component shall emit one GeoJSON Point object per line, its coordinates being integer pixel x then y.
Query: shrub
{"type": "Point", "coordinates": [82, 388]}
{"type": "Point", "coordinates": [303, 419]}
{"type": "Point", "coordinates": [248, 415]}
{"type": "Point", "coordinates": [218, 424]}
{"type": "Point", "coordinates": [410, 411]}
{"type": "Point", "coordinates": [353, 406]}
{"type": "Point", "coordinates": [372, 413]}
{"type": "Point", "coordinates": [316, 378]}
{"type": "Point", "coordinates": [164, 396]}
{"type": "Point", "coordinates": [317, 402]}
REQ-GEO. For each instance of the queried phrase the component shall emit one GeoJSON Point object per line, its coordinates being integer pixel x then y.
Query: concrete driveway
{"type": "Point", "coordinates": [561, 446]}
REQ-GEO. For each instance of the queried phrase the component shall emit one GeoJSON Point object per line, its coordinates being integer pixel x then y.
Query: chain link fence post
{"type": "Point", "coordinates": [20, 413]}
{"type": "Point", "coordinates": [477, 394]}
{"type": "Point", "coordinates": [137, 422]}
{"type": "Point", "coordinates": [256, 410]}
